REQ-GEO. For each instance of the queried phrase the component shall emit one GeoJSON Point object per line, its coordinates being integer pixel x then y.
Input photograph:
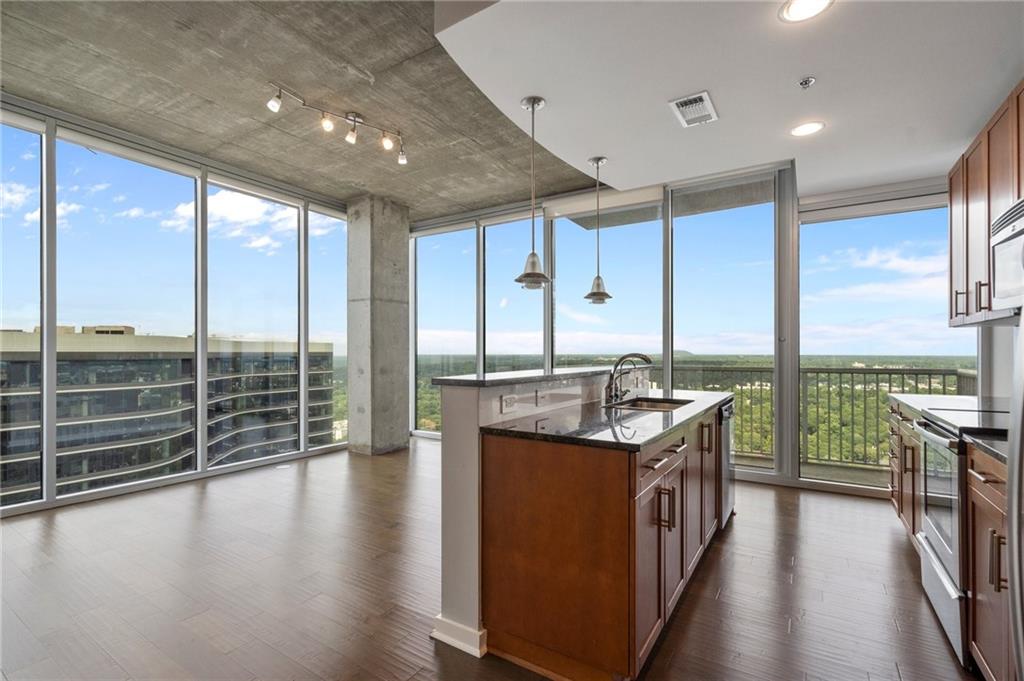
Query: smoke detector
{"type": "Point", "coordinates": [694, 109]}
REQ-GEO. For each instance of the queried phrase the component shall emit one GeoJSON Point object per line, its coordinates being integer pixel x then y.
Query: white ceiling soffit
{"type": "Point", "coordinates": [902, 86]}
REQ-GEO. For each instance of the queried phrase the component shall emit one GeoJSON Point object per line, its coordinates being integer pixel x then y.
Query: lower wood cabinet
{"type": "Point", "coordinates": [988, 598]}
{"type": "Point", "coordinates": [586, 551]}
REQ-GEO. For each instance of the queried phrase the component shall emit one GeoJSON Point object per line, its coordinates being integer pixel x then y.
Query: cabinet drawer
{"type": "Point", "coordinates": [987, 477]}
{"type": "Point", "coordinates": [656, 460]}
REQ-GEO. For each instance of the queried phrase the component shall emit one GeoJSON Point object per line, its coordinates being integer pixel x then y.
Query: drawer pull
{"type": "Point", "coordinates": [675, 449]}
{"type": "Point", "coordinates": [983, 478]}
{"type": "Point", "coordinates": [995, 561]}
{"type": "Point", "coordinates": [661, 522]}
{"type": "Point", "coordinates": [956, 303]}
{"type": "Point", "coordinates": [661, 462]}
{"type": "Point", "coordinates": [908, 458]}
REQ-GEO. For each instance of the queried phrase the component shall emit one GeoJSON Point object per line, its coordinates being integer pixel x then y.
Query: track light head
{"type": "Point", "coordinates": [326, 123]}
{"type": "Point", "coordinates": [350, 137]}
{"type": "Point", "coordinates": [386, 141]}
{"type": "Point", "coordinates": [274, 103]}
{"type": "Point", "coordinates": [402, 158]}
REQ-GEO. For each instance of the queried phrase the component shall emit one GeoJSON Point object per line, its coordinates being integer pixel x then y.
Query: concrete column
{"type": "Point", "coordinates": [378, 325]}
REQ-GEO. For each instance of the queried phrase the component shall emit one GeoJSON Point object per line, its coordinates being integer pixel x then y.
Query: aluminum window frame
{"type": "Point", "coordinates": [53, 125]}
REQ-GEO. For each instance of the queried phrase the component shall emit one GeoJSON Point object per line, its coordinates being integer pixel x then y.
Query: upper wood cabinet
{"type": "Point", "coordinates": [983, 183]}
{"type": "Point", "coordinates": [957, 242]}
{"type": "Point", "coordinates": [976, 196]}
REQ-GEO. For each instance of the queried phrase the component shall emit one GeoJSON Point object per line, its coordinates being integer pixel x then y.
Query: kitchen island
{"type": "Point", "coordinates": [593, 520]}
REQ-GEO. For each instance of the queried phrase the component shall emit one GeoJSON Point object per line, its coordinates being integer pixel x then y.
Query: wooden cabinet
{"type": "Point", "coordinates": [976, 199]}
{"type": "Point", "coordinates": [957, 243]}
{"type": "Point", "coordinates": [905, 465]}
{"type": "Point", "coordinates": [650, 563]}
{"type": "Point", "coordinates": [586, 550]}
{"type": "Point", "coordinates": [983, 184]}
{"type": "Point", "coordinates": [988, 598]}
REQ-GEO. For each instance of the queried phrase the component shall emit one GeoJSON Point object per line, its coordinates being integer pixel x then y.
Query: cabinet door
{"type": "Point", "coordinates": [674, 500]}
{"type": "Point", "coordinates": [1020, 142]}
{"type": "Point", "coordinates": [988, 599]}
{"type": "Point", "coordinates": [709, 453]}
{"type": "Point", "coordinates": [957, 243]}
{"type": "Point", "coordinates": [649, 558]}
{"type": "Point", "coordinates": [1002, 159]}
{"type": "Point", "coordinates": [978, 228]}
{"type": "Point", "coordinates": [693, 537]}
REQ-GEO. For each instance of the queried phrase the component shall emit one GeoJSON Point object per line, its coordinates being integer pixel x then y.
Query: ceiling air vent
{"type": "Point", "coordinates": [694, 109]}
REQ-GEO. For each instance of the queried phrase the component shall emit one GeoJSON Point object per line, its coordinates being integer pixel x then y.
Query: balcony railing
{"type": "Point", "coordinates": [842, 411]}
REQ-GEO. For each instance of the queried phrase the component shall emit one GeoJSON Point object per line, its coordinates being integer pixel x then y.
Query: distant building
{"type": "Point", "coordinates": [126, 406]}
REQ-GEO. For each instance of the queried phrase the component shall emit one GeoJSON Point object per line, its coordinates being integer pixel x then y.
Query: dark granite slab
{"type": "Point", "coordinates": [516, 377]}
{"type": "Point", "coordinates": [996, 447]}
{"type": "Point", "coordinates": [594, 425]}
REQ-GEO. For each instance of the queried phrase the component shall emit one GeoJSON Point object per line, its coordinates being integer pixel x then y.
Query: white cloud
{"type": "Point", "coordinates": [930, 288]}
{"type": "Point", "coordinates": [503, 303]}
{"type": "Point", "coordinates": [322, 225]}
{"type": "Point", "coordinates": [893, 260]}
{"type": "Point", "coordinates": [13, 195]}
{"type": "Point", "coordinates": [263, 243]}
{"type": "Point", "coordinates": [726, 343]}
{"type": "Point", "coordinates": [64, 209]}
{"type": "Point", "coordinates": [898, 336]}
{"type": "Point", "coordinates": [120, 198]}
{"type": "Point", "coordinates": [98, 187]}
{"type": "Point", "coordinates": [581, 317]}
{"type": "Point", "coordinates": [28, 156]}
{"type": "Point", "coordinates": [182, 219]}
{"type": "Point", "coordinates": [136, 212]}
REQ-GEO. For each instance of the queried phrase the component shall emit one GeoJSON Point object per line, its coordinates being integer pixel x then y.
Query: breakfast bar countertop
{"type": "Point", "coordinates": [595, 425]}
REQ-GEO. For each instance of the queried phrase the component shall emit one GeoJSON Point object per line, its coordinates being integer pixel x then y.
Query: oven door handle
{"type": "Point", "coordinates": [937, 439]}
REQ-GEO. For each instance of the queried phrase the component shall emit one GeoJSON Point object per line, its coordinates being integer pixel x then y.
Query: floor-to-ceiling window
{"type": "Point", "coordinates": [873, 299]}
{"type": "Point", "coordinates": [327, 276]}
{"type": "Point", "coordinates": [723, 305]}
{"type": "Point", "coordinates": [631, 266]}
{"type": "Point", "coordinates": [20, 404]}
{"type": "Point", "coordinates": [125, 320]}
{"type": "Point", "coordinates": [445, 316]}
{"type": "Point", "coordinates": [514, 315]}
{"type": "Point", "coordinates": [252, 311]}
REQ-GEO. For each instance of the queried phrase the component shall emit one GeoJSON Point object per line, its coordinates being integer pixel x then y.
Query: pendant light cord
{"type": "Point", "coordinates": [533, 180]}
{"type": "Point", "coordinates": [597, 188]}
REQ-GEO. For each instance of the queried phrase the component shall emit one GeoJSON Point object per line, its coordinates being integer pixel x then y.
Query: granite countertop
{"type": "Point", "coordinates": [611, 428]}
{"type": "Point", "coordinates": [919, 402]}
{"type": "Point", "coordinates": [996, 447]}
{"type": "Point", "coordinates": [524, 376]}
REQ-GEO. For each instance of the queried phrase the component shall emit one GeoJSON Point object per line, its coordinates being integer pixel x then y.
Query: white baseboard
{"type": "Point", "coordinates": [466, 639]}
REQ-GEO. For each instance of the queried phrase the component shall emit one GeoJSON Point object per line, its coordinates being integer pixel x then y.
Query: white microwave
{"type": "Point", "coordinates": [1008, 259]}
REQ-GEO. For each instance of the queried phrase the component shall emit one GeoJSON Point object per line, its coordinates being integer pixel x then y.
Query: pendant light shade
{"type": "Point", "coordinates": [598, 294]}
{"type": "Point", "coordinates": [533, 276]}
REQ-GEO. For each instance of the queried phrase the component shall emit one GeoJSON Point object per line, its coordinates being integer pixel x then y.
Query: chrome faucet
{"type": "Point", "coordinates": [613, 391]}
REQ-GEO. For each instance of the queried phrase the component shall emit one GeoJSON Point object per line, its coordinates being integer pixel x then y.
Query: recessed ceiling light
{"type": "Point", "coordinates": [805, 129]}
{"type": "Point", "coordinates": [802, 10]}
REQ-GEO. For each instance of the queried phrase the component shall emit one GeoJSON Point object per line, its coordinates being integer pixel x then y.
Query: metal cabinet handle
{"type": "Point", "coordinates": [675, 449]}
{"type": "Point", "coordinates": [661, 462]}
{"type": "Point", "coordinates": [995, 558]}
{"type": "Point", "coordinates": [705, 442]}
{"type": "Point", "coordinates": [985, 479]}
{"type": "Point", "coordinates": [956, 303]}
{"type": "Point", "coordinates": [672, 509]}
{"type": "Point", "coordinates": [977, 295]}
{"type": "Point", "coordinates": [907, 458]}
{"type": "Point", "coordinates": [661, 522]}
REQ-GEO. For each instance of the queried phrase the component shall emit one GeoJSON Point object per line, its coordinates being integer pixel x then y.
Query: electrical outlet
{"type": "Point", "coordinates": [508, 403]}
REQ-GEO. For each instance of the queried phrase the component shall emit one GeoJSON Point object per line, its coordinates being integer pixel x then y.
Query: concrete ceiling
{"type": "Point", "coordinates": [194, 75]}
{"type": "Point", "coordinates": [902, 86]}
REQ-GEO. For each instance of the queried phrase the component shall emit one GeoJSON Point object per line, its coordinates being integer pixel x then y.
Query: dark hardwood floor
{"type": "Point", "coordinates": [330, 569]}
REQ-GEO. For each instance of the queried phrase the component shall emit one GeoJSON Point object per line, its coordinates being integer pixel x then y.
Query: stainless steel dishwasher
{"type": "Point", "coordinates": [727, 499]}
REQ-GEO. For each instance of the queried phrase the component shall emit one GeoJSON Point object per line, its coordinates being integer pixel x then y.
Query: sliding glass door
{"type": "Point", "coordinates": [873, 296]}
{"type": "Point", "coordinates": [723, 292]}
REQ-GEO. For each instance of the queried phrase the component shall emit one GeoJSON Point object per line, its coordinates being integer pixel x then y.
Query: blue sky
{"type": "Point", "coordinates": [126, 242]}
{"type": "Point", "coordinates": [125, 251]}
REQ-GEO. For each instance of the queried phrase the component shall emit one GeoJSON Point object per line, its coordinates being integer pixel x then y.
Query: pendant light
{"type": "Point", "coordinates": [598, 295]}
{"type": "Point", "coordinates": [533, 276]}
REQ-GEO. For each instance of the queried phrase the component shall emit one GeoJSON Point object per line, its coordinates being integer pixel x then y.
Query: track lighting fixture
{"type": "Point", "coordinates": [388, 138]}
{"type": "Point", "coordinates": [274, 103]}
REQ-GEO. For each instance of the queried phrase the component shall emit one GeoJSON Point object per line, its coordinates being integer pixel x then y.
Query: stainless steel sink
{"type": "Point", "coordinates": [651, 404]}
